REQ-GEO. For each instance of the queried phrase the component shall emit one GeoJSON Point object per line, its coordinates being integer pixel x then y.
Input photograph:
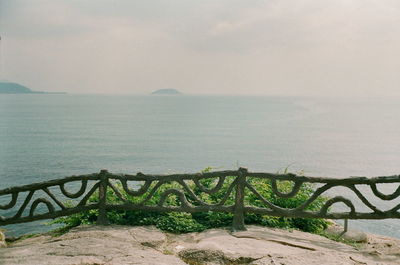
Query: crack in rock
{"type": "Point", "coordinates": [278, 241]}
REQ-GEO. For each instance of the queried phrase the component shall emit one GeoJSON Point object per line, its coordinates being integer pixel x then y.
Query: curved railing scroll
{"type": "Point", "coordinates": [234, 191]}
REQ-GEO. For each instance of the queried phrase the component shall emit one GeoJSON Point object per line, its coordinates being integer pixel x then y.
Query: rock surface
{"type": "Point", "coordinates": [350, 235]}
{"type": "Point", "coordinates": [112, 245]}
{"type": "Point", "coordinates": [2, 239]}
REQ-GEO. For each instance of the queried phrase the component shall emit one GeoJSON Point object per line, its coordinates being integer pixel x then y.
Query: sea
{"type": "Point", "coordinates": [45, 136]}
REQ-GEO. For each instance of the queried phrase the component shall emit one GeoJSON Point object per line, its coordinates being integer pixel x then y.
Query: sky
{"type": "Point", "coordinates": [275, 47]}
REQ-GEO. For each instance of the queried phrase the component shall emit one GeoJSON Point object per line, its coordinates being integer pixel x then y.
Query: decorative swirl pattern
{"type": "Point", "coordinates": [35, 204]}
{"type": "Point", "coordinates": [14, 197]}
{"type": "Point", "coordinates": [295, 189]}
{"type": "Point", "coordinates": [218, 187]}
{"type": "Point", "coordinates": [153, 185]}
{"type": "Point", "coordinates": [77, 194]}
{"type": "Point", "coordinates": [330, 202]}
{"type": "Point", "coordinates": [231, 189]}
{"type": "Point", "coordinates": [28, 210]}
{"type": "Point", "coordinates": [139, 192]}
{"type": "Point", "coordinates": [382, 196]}
{"type": "Point", "coordinates": [180, 194]}
{"type": "Point", "coordinates": [350, 183]}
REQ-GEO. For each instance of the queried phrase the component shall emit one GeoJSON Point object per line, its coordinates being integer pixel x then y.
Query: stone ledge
{"type": "Point", "coordinates": [114, 245]}
{"type": "Point", "coordinates": [2, 239]}
{"type": "Point", "coordinates": [353, 235]}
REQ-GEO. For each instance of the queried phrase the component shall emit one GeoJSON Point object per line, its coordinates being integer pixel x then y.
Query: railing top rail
{"type": "Point", "coordinates": [45, 184]}
{"type": "Point", "coordinates": [140, 176]}
{"type": "Point", "coordinates": [327, 180]}
{"type": "Point", "coordinates": [187, 176]}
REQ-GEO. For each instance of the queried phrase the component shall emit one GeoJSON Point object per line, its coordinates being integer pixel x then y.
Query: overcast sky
{"type": "Point", "coordinates": [274, 47]}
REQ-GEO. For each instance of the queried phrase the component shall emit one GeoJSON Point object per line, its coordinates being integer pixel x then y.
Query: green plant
{"type": "Point", "coordinates": [263, 187]}
{"type": "Point", "coordinates": [179, 223]}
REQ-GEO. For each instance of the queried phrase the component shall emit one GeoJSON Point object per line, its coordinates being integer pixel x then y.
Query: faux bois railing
{"type": "Point", "coordinates": [22, 203]}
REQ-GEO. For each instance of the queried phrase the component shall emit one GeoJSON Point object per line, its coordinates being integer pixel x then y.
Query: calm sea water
{"type": "Point", "coordinates": [45, 137]}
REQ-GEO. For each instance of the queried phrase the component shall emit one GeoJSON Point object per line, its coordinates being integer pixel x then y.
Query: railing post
{"type": "Point", "coordinates": [238, 217]}
{"type": "Point", "coordinates": [346, 225]}
{"type": "Point", "coordinates": [102, 218]}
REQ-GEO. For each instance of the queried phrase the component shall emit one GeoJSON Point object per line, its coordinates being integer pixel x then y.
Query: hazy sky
{"type": "Point", "coordinates": [275, 47]}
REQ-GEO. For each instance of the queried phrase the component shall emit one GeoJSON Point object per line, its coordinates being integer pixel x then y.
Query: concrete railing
{"type": "Point", "coordinates": [22, 203]}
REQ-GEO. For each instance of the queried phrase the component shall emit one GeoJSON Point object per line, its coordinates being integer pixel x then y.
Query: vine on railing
{"type": "Point", "coordinates": [234, 184]}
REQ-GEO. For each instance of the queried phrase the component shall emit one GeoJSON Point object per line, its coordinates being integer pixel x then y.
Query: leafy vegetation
{"type": "Point", "coordinates": [177, 222]}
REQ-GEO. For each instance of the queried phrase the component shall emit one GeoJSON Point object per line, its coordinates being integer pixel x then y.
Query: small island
{"type": "Point", "coordinates": [14, 88]}
{"type": "Point", "coordinates": [167, 91]}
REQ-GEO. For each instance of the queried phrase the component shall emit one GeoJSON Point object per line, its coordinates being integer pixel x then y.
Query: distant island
{"type": "Point", "coordinates": [14, 88]}
{"type": "Point", "coordinates": [166, 91]}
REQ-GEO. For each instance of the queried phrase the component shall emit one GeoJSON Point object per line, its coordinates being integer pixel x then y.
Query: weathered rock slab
{"type": "Point", "coordinates": [350, 235]}
{"type": "Point", "coordinates": [260, 245]}
{"type": "Point", "coordinates": [115, 245]}
{"type": "Point", "coordinates": [2, 239]}
{"type": "Point", "coordinates": [91, 245]}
